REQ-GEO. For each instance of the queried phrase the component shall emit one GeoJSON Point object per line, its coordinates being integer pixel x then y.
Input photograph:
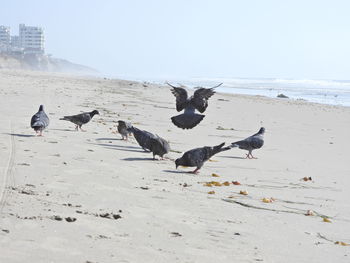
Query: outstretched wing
{"type": "Point", "coordinates": [181, 97]}
{"type": "Point", "coordinates": [200, 98]}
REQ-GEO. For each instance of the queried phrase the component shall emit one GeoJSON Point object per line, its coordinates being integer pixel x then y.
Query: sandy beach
{"type": "Point", "coordinates": [91, 197]}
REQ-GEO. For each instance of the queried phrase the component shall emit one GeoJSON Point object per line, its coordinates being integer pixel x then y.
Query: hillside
{"type": "Point", "coordinates": [43, 63]}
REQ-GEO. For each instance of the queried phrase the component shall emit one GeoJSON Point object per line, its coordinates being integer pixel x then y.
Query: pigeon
{"type": "Point", "coordinates": [251, 143]}
{"type": "Point", "coordinates": [143, 138]}
{"type": "Point", "coordinates": [39, 121]}
{"type": "Point", "coordinates": [197, 157]}
{"type": "Point", "coordinates": [198, 101]}
{"type": "Point", "coordinates": [80, 119]}
{"type": "Point", "coordinates": [123, 129]}
{"type": "Point", "coordinates": [159, 147]}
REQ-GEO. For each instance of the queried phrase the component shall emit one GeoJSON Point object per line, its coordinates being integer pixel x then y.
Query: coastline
{"type": "Point", "coordinates": [167, 214]}
{"type": "Point", "coordinates": [330, 92]}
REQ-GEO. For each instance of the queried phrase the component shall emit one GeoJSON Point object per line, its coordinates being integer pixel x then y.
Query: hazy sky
{"type": "Point", "coordinates": [190, 38]}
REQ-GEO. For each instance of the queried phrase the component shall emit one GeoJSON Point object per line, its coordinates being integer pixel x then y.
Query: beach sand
{"type": "Point", "coordinates": [130, 208]}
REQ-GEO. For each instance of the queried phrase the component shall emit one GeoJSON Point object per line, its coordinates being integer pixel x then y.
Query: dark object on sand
{"type": "Point", "coordinates": [197, 157]}
{"type": "Point", "coordinates": [142, 137]}
{"type": "Point", "coordinates": [39, 121]}
{"type": "Point", "coordinates": [281, 95]}
{"type": "Point", "coordinates": [159, 147]}
{"type": "Point", "coordinates": [150, 142]}
{"type": "Point", "coordinates": [251, 143]}
{"type": "Point", "coordinates": [81, 118]}
{"type": "Point", "coordinates": [198, 101]}
{"type": "Point", "coordinates": [123, 129]}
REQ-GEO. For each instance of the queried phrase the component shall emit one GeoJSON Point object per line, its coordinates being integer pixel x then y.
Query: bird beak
{"type": "Point", "coordinates": [176, 166]}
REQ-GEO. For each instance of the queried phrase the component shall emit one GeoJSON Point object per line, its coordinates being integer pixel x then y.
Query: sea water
{"type": "Point", "coordinates": [333, 92]}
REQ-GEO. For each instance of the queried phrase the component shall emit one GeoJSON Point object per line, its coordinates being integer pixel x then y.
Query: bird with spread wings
{"type": "Point", "coordinates": [198, 101]}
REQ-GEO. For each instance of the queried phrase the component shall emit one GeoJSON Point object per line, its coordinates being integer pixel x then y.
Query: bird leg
{"type": "Point", "coordinates": [250, 156]}
{"type": "Point", "coordinates": [40, 133]}
{"type": "Point", "coordinates": [76, 127]}
{"type": "Point", "coordinates": [82, 129]}
{"type": "Point", "coordinates": [196, 171]}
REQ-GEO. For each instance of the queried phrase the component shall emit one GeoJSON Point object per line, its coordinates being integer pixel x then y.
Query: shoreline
{"type": "Point", "coordinates": [147, 82]}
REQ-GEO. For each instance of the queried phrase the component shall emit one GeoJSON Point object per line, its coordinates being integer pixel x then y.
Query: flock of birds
{"type": "Point", "coordinates": [159, 146]}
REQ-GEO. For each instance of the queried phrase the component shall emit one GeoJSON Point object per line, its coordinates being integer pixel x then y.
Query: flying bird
{"type": "Point", "coordinates": [124, 129]}
{"type": "Point", "coordinates": [198, 101]}
{"type": "Point", "coordinates": [251, 143]}
{"type": "Point", "coordinates": [80, 119]}
{"type": "Point", "coordinates": [197, 157]}
{"type": "Point", "coordinates": [159, 147]}
{"type": "Point", "coordinates": [39, 121]}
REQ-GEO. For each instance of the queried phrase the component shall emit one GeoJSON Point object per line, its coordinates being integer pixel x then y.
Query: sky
{"type": "Point", "coordinates": [170, 39]}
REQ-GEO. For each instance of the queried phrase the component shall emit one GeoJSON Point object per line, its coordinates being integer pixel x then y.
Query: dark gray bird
{"type": "Point", "coordinates": [39, 121]}
{"type": "Point", "coordinates": [159, 147]}
{"type": "Point", "coordinates": [81, 118]}
{"type": "Point", "coordinates": [198, 101]}
{"type": "Point", "coordinates": [197, 157]}
{"type": "Point", "coordinates": [142, 137]}
{"type": "Point", "coordinates": [251, 143]}
{"type": "Point", "coordinates": [124, 129]}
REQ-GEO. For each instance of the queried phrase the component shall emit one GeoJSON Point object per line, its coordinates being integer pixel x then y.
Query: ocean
{"type": "Point", "coordinates": [332, 92]}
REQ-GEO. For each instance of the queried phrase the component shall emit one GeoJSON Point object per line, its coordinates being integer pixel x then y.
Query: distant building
{"type": "Point", "coordinates": [4, 38]}
{"type": "Point", "coordinates": [15, 45]}
{"type": "Point", "coordinates": [15, 42]}
{"type": "Point", "coordinates": [31, 39]}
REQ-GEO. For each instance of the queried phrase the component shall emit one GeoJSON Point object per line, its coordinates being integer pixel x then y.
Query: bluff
{"type": "Point", "coordinates": [43, 63]}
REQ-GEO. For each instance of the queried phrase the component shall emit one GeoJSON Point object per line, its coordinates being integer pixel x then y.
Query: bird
{"type": "Point", "coordinates": [196, 157]}
{"type": "Point", "coordinates": [256, 141]}
{"type": "Point", "coordinates": [123, 129]}
{"type": "Point", "coordinates": [80, 119]}
{"type": "Point", "coordinates": [198, 101]}
{"type": "Point", "coordinates": [40, 121]}
{"type": "Point", "coordinates": [159, 146]}
{"type": "Point", "coordinates": [142, 137]}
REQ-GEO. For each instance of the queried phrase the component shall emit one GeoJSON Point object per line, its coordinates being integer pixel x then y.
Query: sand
{"type": "Point", "coordinates": [125, 207]}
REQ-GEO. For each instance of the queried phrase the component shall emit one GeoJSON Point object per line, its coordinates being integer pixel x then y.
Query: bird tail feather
{"type": "Point", "coordinates": [235, 144]}
{"type": "Point", "coordinates": [131, 129]}
{"type": "Point", "coordinates": [38, 124]}
{"type": "Point", "coordinates": [186, 121]}
{"type": "Point", "coordinates": [220, 148]}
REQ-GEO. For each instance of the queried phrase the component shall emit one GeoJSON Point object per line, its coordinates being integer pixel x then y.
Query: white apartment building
{"type": "Point", "coordinates": [4, 38]}
{"type": "Point", "coordinates": [31, 39]}
{"type": "Point", "coordinates": [15, 42]}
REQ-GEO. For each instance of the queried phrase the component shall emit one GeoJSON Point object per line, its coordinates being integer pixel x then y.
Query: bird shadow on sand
{"type": "Point", "coordinates": [138, 159]}
{"type": "Point", "coordinates": [233, 157]}
{"type": "Point", "coordinates": [108, 139]}
{"type": "Point", "coordinates": [20, 135]}
{"type": "Point", "coordinates": [177, 172]}
{"type": "Point", "coordinates": [69, 130]}
{"type": "Point", "coordinates": [121, 148]}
